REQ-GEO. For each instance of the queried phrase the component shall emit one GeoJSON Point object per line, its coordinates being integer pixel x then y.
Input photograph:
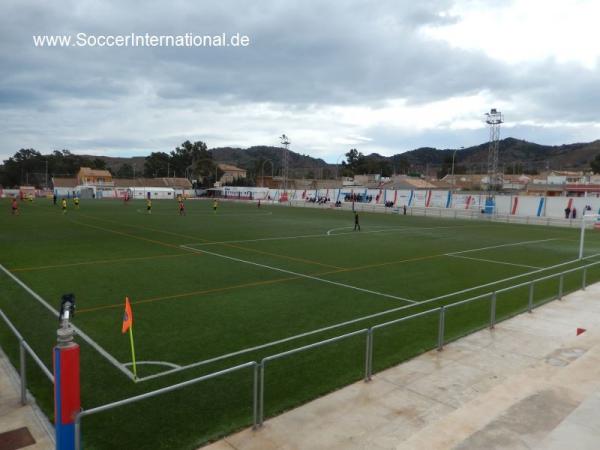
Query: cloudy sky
{"type": "Point", "coordinates": [382, 76]}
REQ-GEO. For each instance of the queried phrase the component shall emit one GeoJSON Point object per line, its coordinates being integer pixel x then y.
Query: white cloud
{"type": "Point", "coordinates": [525, 30]}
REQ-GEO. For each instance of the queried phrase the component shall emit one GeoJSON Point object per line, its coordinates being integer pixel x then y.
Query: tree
{"type": "Point", "coordinates": [156, 164]}
{"type": "Point", "coordinates": [188, 155]}
{"type": "Point", "coordinates": [352, 157]}
{"type": "Point", "coordinates": [98, 164]}
{"type": "Point", "coordinates": [595, 164]}
{"type": "Point", "coordinates": [125, 171]}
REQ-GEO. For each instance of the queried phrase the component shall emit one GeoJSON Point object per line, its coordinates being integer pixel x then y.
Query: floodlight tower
{"type": "Point", "coordinates": [285, 141]}
{"type": "Point", "coordinates": [494, 118]}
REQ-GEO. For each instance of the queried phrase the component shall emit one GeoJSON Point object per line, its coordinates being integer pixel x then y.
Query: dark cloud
{"type": "Point", "coordinates": [303, 55]}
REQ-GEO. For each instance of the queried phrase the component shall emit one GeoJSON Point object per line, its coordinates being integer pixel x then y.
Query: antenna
{"type": "Point", "coordinates": [493, 119]}
{"type": "Point", "coordinates": [285, 141]}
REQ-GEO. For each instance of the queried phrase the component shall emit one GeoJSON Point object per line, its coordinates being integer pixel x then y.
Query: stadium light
{"type": "Point", "coordinates": [285, 141]}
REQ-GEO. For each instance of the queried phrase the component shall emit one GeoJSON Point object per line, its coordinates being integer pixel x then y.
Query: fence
{"type": "Point", "coordinates": [24, 348]}
{"type": "Point", "coordinates": [260, 369]}
{"type": "Point", "coordinates": [447, 213]}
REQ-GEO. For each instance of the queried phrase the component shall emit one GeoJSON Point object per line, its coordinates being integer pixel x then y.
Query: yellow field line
{"type": "Point", "coordinates": [98, 261]}
{"type": "Point", "coordinates": [248, 285]}
{"type": "Point", "coordinates": [207, 241]}
{"type": "Point", "coordinates": [122, 233]}
{"type": "Point", "coordinates": [187, 294]}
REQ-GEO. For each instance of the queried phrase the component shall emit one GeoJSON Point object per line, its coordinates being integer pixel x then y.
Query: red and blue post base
{"type": "Point", "coordinates": [67, 401]}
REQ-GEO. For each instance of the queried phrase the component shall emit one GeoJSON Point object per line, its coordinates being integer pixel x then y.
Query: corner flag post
{"type": "Point", "coordinates": [132, 351]}
{"type": "Point", "coordinates": [128, 325]}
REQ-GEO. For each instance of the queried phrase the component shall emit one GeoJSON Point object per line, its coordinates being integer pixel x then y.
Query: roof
{"type": "Point", "coordinates": [178, 183]}
{"type": "Point", "coordinates": [545, 187]}
{"type": "Point", "coordinates": [86, 171]}
{"type": "Point", "coordinates": [230, 168]}
{"type": "Point", "coordinates": [583, 187]}
{"type": "Point", "coordinates": [59, 182]}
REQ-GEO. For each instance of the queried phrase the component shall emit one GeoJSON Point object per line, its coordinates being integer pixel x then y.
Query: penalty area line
{"type": "Point", "coordinates": [493, 261]}
{"type": "Point", "coordinates": [501, 246]}
{"type": "Point", "coordinates": [301, 275]}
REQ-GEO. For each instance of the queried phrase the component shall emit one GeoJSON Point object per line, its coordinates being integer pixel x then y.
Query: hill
{"type": "Point", "coordinates": [515, 155]}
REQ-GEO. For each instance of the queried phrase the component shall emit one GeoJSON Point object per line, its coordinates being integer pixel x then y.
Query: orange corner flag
{"type": "Point", "coordinates": [127, 317]}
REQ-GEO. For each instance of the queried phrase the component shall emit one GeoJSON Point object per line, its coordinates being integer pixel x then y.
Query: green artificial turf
{"type": "Point", "coordinates": [207, 284]}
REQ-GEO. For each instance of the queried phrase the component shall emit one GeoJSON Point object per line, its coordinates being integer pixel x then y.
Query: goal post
{"type": "Point", "coordinates": [586, 219]}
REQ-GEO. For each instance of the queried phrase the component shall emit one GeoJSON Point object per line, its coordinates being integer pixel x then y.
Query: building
{"type": "Point", "coordinates": [91, 183]}
{"type": "Point", "coordinates": [94, 177]}
{"type": "Point", "coordinates": [230, 173]}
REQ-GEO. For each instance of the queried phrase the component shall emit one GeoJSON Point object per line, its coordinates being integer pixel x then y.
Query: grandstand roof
{"type": "Point", "coordinates": [60, 182]}
{"type": "Point", "coordinates": [230, 168]}
{"type": "Point", "coordinates": [177, 183]}
{"type": "Point", "coordinates": [87, 172]}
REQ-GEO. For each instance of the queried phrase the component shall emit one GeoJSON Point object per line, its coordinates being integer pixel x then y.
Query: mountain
{"type": "Point", "coordinates": [514, 154]}
{"type": "Point", "coordinates": [259, 159]}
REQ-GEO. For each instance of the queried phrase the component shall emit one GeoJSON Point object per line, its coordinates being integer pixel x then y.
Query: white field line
{"type": "Point", "coordinates": [350, 322]}
{"type": "Point", "coordinates": [208, 214]}
{"type": "Point", "coordinates": [298, 274]}
{"type": "Point", "coordinates": [502, 245]}
{"type": "Point", "coordinates": [493, 261]}
{"type": "Point", "coordinates": [533, 272]}
{"type": "Point", "coordinates": [330, 232]}
{"type": "Point", "coordinates": [153, 363]}
{"type": "Point", "coordinates": [322, 235]}
{"type": "Point", "coordinates": [83, 335]}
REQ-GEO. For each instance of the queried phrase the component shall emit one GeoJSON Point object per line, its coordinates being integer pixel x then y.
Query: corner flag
{"type": "Point", "coordinates": [127, 317]}
{"type": "Point", "coordinates": [128, 325]}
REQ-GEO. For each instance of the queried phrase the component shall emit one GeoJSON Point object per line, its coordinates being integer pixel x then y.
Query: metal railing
{"type": "Point", "coordinates": [24, 349]}
{"type": "Point", "coordinates": [174, 387]}
{"type": "Point", "coordinates": [446, 213]}
{"type": "Point", "coordinates": [259, 369]}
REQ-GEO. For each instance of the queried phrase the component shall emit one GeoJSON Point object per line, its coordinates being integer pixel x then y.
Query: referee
{"type": "Point", "coordinates": [356, 223]}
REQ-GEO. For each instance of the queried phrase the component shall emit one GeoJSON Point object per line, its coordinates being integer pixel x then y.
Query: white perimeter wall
{"type": "Point", "coordinates": [518, 205]}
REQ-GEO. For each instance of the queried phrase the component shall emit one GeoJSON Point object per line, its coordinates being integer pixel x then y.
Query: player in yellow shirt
{"type": "Point", "coordinates": [76, 202]}
{"type": "Point", "coordinates": [149, 206]}
{"type": "Point", "coordinates": [63, 204]}
{"type": "Point", "coordinates": [215, 206]}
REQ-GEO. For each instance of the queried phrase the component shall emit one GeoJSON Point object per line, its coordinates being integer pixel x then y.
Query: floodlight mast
{"type": "Point", "coordinates": [494, 119]}
{"type": "Point", "coordinates": [285, 141]}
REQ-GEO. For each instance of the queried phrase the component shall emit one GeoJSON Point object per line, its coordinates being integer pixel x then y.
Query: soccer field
{"type": "Point", "coordinates": [212, 290]}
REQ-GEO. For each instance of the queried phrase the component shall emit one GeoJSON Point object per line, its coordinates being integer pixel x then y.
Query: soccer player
{"type": "Point", "coordinates": [76, 202]}
{"type": "Point", "coordinates": [181, 208]}
{"type": "Point", "coordinates": [149, 206]}
{"type": "Point", "coordinates": [63, 204]}
{"type": "Point", "coordinates": [215, 206]}
{"type": "Point", "coordinates": [356, 223]}
{"type": "Point", "coordinates": [14, 207]}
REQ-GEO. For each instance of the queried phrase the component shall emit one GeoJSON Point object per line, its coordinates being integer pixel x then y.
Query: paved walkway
{"type": "Point", "coordinates": [20, 426]}
{"type": "Point", "coordinates": [530, 383]}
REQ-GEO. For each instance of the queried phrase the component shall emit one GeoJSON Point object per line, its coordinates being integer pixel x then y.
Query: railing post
{"type": "Point", "coordinates": [561, 281]}
{"type": "Point", "coordinates": [255, 399]}
{"type": "Point", "coordinates": [493, 311]}
{"type": "Point", "coordinates": [261, 396]}
{"type": "Point", "coordinates": [78, 431]}
{"type": "Point", "coordinates": [23, 372]}
{"type": "Point", "coordinates": [441, 326]}
{"type": "Point", "coordinates": [369, 355]}
{"type": "Point", "coordinates": [530, 303]}
{"type": "Point", "coordinates": [584, 278]}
